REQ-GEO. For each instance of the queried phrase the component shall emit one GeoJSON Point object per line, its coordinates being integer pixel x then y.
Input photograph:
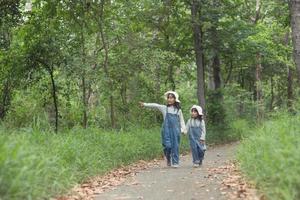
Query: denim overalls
{"type": "Point", "coordinates": [196, 147]}
{"type": "Point", "coordinates": [171, 137]}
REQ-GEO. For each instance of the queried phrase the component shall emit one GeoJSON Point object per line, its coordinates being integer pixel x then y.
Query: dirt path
{"type": "Point", "coordinates": [184, 183]}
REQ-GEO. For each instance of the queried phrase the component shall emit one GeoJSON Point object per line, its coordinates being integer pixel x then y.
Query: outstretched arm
{"type": "Point", "coordinates": [161, 108]}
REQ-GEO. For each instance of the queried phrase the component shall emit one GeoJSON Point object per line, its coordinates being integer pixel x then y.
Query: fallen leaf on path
{"type": "Point", "coordinates": [234, 184]}
{"type": "Point", "coordinates": [97, 185]}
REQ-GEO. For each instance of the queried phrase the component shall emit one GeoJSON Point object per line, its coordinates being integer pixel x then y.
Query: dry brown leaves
{"type": "Point", "coordinates": [97, 185]}
{"type": "Point", "coordinates": [234, 184]}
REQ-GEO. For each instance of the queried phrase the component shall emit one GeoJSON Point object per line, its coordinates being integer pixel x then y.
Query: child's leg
{"type": "Point", "coordinates": [195, 153]}
{"type": "Point", "coordinates": [175, 148]}
{"type": "Point", "coordinates": [201, 153]}
{"type": "Point", "coordinates": [167, 153]}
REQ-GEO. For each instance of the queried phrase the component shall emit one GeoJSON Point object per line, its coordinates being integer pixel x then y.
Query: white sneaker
{"type": "Point", "coordinates": [175, 166]}
{"type": "Point", "coordinates": [195, 165]}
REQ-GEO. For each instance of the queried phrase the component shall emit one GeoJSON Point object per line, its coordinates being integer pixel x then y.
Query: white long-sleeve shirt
{"type": "Point", "coordinates": [197, 123]}
{"type": "Point", "coordinates": [172, 110]}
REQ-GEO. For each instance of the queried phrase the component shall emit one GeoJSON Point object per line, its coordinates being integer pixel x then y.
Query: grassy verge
{"type": "Point", "coordinates": [233, 131]}
{"type": "Point", "coordinates": [271, 158]}
{"type": "Point", "coordinates": [36, 165]}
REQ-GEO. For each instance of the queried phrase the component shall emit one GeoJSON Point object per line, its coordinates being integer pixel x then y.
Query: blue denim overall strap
{"type": "Point", "coordinates": [171, 137]}
{"type": "Point", "coordinates": [196, 147]}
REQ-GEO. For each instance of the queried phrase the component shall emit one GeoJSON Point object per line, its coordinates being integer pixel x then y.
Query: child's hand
{"type": "Point", "coordinates": [141, 104]}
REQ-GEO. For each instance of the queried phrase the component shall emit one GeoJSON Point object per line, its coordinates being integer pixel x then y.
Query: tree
{"type": "Point", "coordinates": [294, 6]}
{"type": "Point", "coordinates": [195, 10]}
{"type": "Point", "coordinates": [10, 17]}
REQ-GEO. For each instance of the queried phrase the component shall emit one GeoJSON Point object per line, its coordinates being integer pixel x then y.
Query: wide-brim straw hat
{"type": "Point", "coordinates": [174, 93]}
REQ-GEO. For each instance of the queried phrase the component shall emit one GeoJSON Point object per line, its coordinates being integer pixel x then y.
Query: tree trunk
{"type": "Point", "coordinates": [198, 52]}
{"type": "Point", "coordinates": [272, 93]}
{"type": "Point", "coordinates": [259, 93]}
{"type": "Point", "coordinates": [105, 65]}
{"type": "Point", "coordinates": [158, 87]}
{"type": "Point", "coordinates": [289, 78]}
{"type": "Point", "coordinates": [216, 45]}
{"type": "Point", "coordinates": [217, 71]}
{"type": "Point", "coordinates": [289, 89]}
{"type": "Point", "coordinates": [294, 6]}
{"type": "Point", "coordinates": [54, 96]}
{"type": "Point", "coordinates": [171, 77]}
{"type": "Point", "coordinates": [5, 99]}
{"type": "Point", "coordinates": [229, 72]}
{"type": "Point", "coordinates": [83, 79]}
{"type": "Point", "coordinates": [84, 101]}
{"type": "Point", "coordinates": [170, 83]}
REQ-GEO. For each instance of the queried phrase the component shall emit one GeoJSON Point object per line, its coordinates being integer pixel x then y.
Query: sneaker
{"type": "Point", "coordinates": [168, 163]}
{"type": "Point", "coordinates": [175, 166]}
{"type": "Point", "coordinates": [195, 165]}
{"type": "Point", "coordinates": [200, 163]}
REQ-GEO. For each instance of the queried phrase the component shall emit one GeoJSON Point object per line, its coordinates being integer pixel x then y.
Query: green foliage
{"type": "Point", "coordinates": [35, 165]}
{"type": "Point", "coordinates": [270, 157]}
{"type": "Point", "coordinates": [216, 111]}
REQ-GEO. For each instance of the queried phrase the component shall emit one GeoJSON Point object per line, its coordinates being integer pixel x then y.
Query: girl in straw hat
{"type": "Point", "coordinates": [172, 126]}
{"type": "Point", "coordinates": [196, 132]}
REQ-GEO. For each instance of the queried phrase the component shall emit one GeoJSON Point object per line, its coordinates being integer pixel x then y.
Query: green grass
{"type": "Point", "coordinates": [40, 165]}
{"type": "Point", "coordinates": [271, 157]}
{"type": "Point", "coordinates": [36, 165]}
{"type": "Point", "coordinates": [232, 131]}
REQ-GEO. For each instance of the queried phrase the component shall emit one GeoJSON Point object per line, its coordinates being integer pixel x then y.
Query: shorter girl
{"type": "Point", "coordinates": [196, 131]}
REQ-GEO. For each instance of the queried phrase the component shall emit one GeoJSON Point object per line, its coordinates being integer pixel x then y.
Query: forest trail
{"type": "Point", "coordinates": [216, 179]}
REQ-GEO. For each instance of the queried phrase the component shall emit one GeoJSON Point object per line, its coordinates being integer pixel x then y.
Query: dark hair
{"type": "Point", "coordinates": [176, 104]}
{"type": "Point", "coordinates": [199, 117]}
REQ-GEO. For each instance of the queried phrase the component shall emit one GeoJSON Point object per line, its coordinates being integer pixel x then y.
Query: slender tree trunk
{"type": "Point", "coordinates": [158, 81]}
{"type": "Point", "coordinates": [170, 82]}
{"type": "Point", "coordinates": [158, 87]}
{"type": "Point", "coordinates": [216, 63]}
{"type": "Point", "coordinates": [105, 65]}
{"type": "Point", "coordinates": [259, 92]}
{"type": "Point", "coordinates": [294, 6]}
{"type": "Point", "coordinates": [289, 78]}
{"type": "Point", "coordinates": [5, 99]}
{"type": "Point", "coordinates": [83, 80]}
{"type": "Point", "coordinates": [84, 101]}
{"type": "Point", "coordinates": [195, 7]}
{"type": "Point", "coordinates": [229, 72]}
{"type": "Point", "coordinates": [171, 77]}
{"type": "Point", "coordinates": [54, 96]}
{"type": "Point", "coordinates": [289, 89]}
{"type": "Point", "coordinates": [217, 71]}
{"type": "Point", "coordinates": [272, 93]}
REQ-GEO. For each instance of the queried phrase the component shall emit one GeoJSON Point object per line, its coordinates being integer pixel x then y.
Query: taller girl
{"type": "Point", "coordinates": [172, 126]}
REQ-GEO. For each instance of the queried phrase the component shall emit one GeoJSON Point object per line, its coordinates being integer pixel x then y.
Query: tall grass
{"type": "Point", "coordinates": [271, 158]}
{"type": "Point", "coordinates": [233, 131]}
{"type": "Point", "coordinates": [36, 165]}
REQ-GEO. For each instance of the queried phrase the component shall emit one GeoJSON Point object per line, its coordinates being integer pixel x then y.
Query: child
{"type": "Point", "coordinates": [172, 126]}
{"type": "Point", "coordinates": [196, 131]}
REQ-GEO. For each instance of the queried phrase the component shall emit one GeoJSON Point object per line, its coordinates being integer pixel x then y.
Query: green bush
{"type": "Point", "coordinates": [271, 158]}
{"type": "Point", "coordinates": [239, 128]}
{"type": "Point", "coordinates": [36, 165]}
